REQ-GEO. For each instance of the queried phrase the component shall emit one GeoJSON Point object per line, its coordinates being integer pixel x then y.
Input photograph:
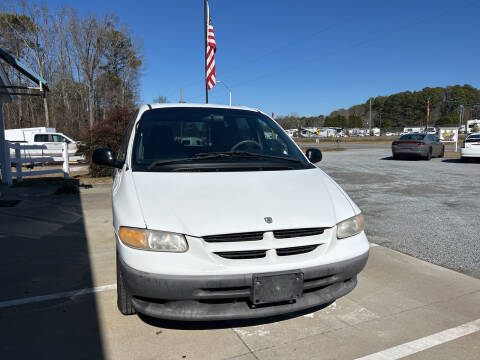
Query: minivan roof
{"type": "Point", "coordinates": [191, 105]}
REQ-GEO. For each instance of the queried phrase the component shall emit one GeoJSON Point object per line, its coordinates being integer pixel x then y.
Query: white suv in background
{"type": "Point", "coordinates": [210, 220]}
{"type": "Point", "coordinates": [470, 147]}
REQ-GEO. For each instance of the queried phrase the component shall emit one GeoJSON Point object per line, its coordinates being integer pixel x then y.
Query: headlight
{"type": "Point", "coordinates": [350, 227]}
{"type": "Point", "coordinates": [153, 239]}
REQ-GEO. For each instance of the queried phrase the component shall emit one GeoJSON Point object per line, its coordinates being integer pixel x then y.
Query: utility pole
{"type": "Point", "coordinates": [461, 118]}
{"type": "Point", "coordinates": [181, 97]}
{"type": "Point", "coordinates": [370, 117]}
{"type": "Point", "coordinates": [205, 53]}
{"type": "Point", "coordinates": [428, 114]}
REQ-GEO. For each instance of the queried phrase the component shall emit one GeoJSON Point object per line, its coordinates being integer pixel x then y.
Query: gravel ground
{"type": "Point", "coordinates": [428, 209]}
{"type": "Point", "coordinates": [360, 145]}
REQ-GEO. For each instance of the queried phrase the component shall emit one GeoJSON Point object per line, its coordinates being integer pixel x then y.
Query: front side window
{"type": "Point", "coordinates": [122, 151]}
{"type": "Point", "coordinates": [220, 136]}
{"type": "Point", "coordinates": [58, 138]}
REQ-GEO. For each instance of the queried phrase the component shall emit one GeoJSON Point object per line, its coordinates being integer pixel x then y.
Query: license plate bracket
{"type": "Point", "coordinates": [272, 288]}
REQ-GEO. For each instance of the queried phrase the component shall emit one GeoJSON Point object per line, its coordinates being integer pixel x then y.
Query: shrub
{"type": "Point", "coordinates": [107, 133]}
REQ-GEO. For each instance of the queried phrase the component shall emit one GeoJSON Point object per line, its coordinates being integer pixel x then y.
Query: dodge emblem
{"type": "Point", "coordinates": [268, 220]}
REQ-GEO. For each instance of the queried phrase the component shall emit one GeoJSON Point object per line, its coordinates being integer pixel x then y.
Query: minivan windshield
{"type": "Point", "coordinates": [167, 138]}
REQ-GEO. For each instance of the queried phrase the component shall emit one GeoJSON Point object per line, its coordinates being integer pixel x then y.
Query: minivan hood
{"type": "Point", "coordinates": [206, 203]}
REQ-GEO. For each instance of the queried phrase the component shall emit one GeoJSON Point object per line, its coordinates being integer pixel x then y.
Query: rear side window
{"type": "Point", "coordinates": [42, 138]}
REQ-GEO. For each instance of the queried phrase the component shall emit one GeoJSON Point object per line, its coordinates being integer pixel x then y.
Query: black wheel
{"type": "Point", "coordinates": [442, 154]}
{"type": "Point", "coordinates": [429, 154]}
{"type": "Point", "coordinates": [396, 156]}
{"type": "Point", "coordinates": [463, 160]}
{"type": "Point", "coordinates": [124, 298]}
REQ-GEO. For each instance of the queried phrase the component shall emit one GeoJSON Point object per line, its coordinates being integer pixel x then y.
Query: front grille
{"type": "Point", "coordinates": [296, 250]}
{"type": "Point", "coordinates": [249, 236]}
{"type": "Point", "coordinates": [249, 254]}
{"type": "Point", "coordinates": [258, 235]}
{"type": "Point", "coordinates": [223, 292]}
{"type": "Point", "coordinates": [284, 234]}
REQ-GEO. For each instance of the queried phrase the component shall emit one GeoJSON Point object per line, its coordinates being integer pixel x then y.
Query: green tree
{"type": "Point", "coordinates": [14, 28]}
{"type": "Point", "coordinates": [450, 119]}
{"type": "Point", "coordinates": [387, 124]}
{"type": "Point", "coordinates": [336, 121]}
{"type": "Point", "coordinates": [355, 121]}
{"type": "Point", "coordinates": [410, 108]}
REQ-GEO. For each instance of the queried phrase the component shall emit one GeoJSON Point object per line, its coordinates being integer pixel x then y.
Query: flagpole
{"type": "Point", "coordinates": [205, 52]}
{"type": "Point", "coordinates": [428, 114]}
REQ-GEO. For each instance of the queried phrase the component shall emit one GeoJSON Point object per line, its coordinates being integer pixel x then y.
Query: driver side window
{"type": "Point", "coordinates": [274, 143]}
{"type": "Point", "coordinates": [58, 138]}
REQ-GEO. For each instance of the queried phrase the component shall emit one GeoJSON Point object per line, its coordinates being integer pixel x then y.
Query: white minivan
{"type": "Point", "coordinates": [211, 221]}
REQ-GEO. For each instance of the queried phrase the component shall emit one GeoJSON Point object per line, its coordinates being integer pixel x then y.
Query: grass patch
{"type": "Point", "coordinates": [452, 155]}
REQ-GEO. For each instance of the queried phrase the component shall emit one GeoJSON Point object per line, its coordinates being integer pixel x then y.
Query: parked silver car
{"type": "Point", "coordinates": [418, 145]}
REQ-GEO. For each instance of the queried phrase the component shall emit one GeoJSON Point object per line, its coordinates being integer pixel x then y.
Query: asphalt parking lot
{"type": "Point", "coordinates": [429, 209]}
{"type": "Point", "coordinates": [58, 296]}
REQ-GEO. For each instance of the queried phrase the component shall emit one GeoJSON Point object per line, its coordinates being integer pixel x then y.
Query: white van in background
{"type": "Point", "coordinates": [471, 125]}
{"type": "Point", "coordinates": [47, 136]}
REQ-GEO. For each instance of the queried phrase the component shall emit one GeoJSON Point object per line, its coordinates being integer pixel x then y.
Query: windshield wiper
{"type": "Point", "coordinates": [174, 161]}
{"type": "Point", "coordinates": [246, 154]}
{"type": "Point", "coordinates": [216, 155]}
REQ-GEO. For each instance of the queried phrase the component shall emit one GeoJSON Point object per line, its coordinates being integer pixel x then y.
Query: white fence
{"type": "Point", "coordinates": [19, 161]}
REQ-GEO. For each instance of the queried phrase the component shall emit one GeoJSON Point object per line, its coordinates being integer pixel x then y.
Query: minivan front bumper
{"type": "Point", "coordinates": [225, 297]}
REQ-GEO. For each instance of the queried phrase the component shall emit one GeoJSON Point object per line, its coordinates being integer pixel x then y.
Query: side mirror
{"type": "Point", "coordinates": [314, 155]}
{"type": "Point", "coordinates": [106, 156]}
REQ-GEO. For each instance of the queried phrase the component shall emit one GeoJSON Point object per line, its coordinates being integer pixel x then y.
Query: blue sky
{"type": "Point", "coordinates": [304, 57]}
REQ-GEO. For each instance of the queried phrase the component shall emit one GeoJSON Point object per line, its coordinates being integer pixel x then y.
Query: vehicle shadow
{"type": "Point", "coordinates": [473, 160]}
{"type": "Point", "coordinates": [44, 252]}
{"type": "Point", "coordinates": [225, 324]}
{"type": "Point", "coordinates": [402, 159]}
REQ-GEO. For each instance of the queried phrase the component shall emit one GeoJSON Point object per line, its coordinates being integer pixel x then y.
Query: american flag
{"type": "Point", "coordinates": [210, 53]}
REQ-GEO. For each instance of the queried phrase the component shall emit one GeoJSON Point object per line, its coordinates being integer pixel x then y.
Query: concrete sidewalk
{"type": "Point", "coordinates": [66, 243]}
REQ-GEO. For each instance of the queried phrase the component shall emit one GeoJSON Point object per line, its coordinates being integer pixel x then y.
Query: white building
{"type": "Point", "coordinates": [471, 124]}
{"type": "Point", "coordinates": [319, 132]}
{"type": "Point", "coordinates": [362, 131]}
{"type": "Point", "coordinates": [410, 130]}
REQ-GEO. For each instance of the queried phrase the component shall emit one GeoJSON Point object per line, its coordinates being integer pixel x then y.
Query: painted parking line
{"type": "Point", "coordinates": [412, 347]}
{"type": "Point", "coordinates": [61, 295]}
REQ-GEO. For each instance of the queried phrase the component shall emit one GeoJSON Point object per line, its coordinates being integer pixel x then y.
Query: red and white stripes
{"type": "Point", "coordinates": [210, 53]}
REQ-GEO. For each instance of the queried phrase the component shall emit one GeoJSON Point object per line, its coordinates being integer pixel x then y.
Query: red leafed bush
{"type": "Point", "coordinates": [107, 133]}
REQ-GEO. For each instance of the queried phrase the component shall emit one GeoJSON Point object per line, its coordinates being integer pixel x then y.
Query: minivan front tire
{"type": "Point", "coordinates": [124, 298]}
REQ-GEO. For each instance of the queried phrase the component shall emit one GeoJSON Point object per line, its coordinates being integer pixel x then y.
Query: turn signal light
{"type": "Point", "coordinates": [133, 237]}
